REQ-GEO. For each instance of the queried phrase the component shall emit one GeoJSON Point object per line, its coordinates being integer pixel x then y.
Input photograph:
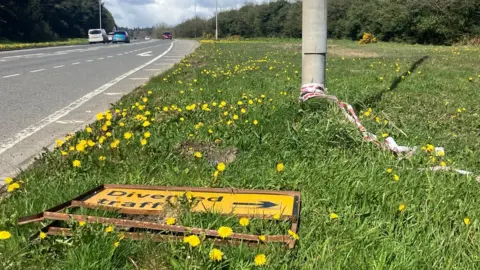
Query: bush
{"type": "Point", "coordinates": [368, 38]}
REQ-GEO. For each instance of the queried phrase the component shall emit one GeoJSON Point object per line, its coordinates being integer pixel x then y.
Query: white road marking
{"type": "Point", "coordinates": [113, 94]}
{"type": "Point", "coordinates": [13, 75]}
{"type": "Point", "coordinates": [38, 70]}
{"type": "Point", "coordinates": [29, 131]}
{"type": "Point", "coordinates": [59, 66]}
{"type": "Point", "coordinates": [89, 61]}
{"type": "Point", "coordinates": [145, 54]}
{"type": "Point", "coordinates": [109, 56]}
{"type": "Point", "coordinates": [153, 69]}
{"type": "Point", "coordinates": [138, 78]}
{"type": "Point", "coordinates": [101, 58]}
{"type": "Point", "coordinates": [120, 54]}
{"type": "Point", "coordinates": [76, 63]}
{"type": "Point", "coordinates": [3, 60]}
{"type": "Point", "coordinates": [70, 122]}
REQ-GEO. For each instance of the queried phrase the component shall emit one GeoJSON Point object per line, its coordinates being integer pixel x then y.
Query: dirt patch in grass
{"type": "Point", "coordinates": [213, 152]}
{"type": "Point", "coordinates": [332, 50]}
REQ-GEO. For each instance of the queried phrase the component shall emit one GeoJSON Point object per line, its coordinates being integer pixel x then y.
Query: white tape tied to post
{"type": "Point", "coordinates": [315, 90]}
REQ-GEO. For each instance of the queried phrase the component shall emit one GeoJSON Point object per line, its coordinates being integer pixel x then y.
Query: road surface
{"type": "Point", "coordinates": [48, 92]}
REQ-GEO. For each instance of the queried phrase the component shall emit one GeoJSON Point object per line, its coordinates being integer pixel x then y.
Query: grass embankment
{"type": "Point", "coordinates": [354, 214]}
{"type": "Point", "coordinates": [11, 45]}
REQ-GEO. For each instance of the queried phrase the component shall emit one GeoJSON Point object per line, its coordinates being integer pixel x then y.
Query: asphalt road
{"type": "Point", "coordinates": [48, 92]}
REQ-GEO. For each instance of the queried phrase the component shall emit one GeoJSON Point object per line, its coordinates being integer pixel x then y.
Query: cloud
{"type": "Point", "coordinates": [147, 13]}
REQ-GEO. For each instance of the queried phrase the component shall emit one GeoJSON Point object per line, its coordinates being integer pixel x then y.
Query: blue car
{"type": "Point", "coordinates": [120, 36]}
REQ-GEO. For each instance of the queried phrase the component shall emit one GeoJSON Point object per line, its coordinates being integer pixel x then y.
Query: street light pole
{"type": "Point", "coordinates": [216, 19]}
{"type": "Point", "coordinates": [314, 42]}
{"type": "Point", "coordinates": [195, 19]}
{"type": "Point", "coordinates": [100, 12]}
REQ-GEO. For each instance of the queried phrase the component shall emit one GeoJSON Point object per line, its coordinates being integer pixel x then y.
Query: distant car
{"type": "Point", "coordinates": [167, 35]}
{"type": "Point", "coordinates": [97, 36]}
{"type": "Point", "coordinates": [120, 36]}
{"type": "Point", "coordinates": [147, 38]}
{"type": "Point", "coordinates": [110, 36]}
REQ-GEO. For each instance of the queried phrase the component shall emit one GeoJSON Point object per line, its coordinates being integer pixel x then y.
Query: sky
{"type": "Point", "coordinates": [147, 13]}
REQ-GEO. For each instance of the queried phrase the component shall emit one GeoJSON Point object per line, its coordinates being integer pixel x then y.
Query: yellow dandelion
{"type": "Point", "coordinates": [102, 158]}
{"type": "Point", "coordinates": [224, 231]}
{"type": "Point", "coordinates": [280, 167]}
{"type": "Point", "coordinates": [401, 207]}
{"type": "Point", "coordinates": [82, 223]}
{"type": "Point", "coordinates": [293, 234]}
{"type": "Point", "coordinates": [443, 164]}
{"type": "Point", "coordinates": [109, 229]}
{"type": "Point", "coordinates": [243, 110]}
{"type": "Point", "coordinates": [333, 216]}
{"type": "Point", "coordinates": [42, 235]}
{"type": "Point", "coordinates": [171, 221]}
{"type": "Point", "coordinates": [466, 220]}
{"type": "Point", "coordinates": [116, 244]}
{"type": "Point", "coordinates": [89, 129]}
{"type": "Point", "coordinates": [260, 260]}
{"type": "Point", "coordinates": [146, 124]}
{"type": "Point", "coordinates": [396, 177]}
{"type": "Point", "coordinates": [262, 238]}
{"type": "Point", "coordinates": [127, 135]}
{"type": "Point", "coordinates": [389, 170]}
{"type": "Point", "coordinates": [255, 122]}
{"type": "Point", "coordinates": [12, 187]}
{"type": "Point", "coordinates": [77, 163]}
{"type": "Point", "coordinates": [192, 240]}
{"type": "Point", "coordinates": [4, 235]}
{"type": "Point", "coordinates": [143, 141]}
{"type": "Point", "coordinates": [244, 222]}
{"type": "Point", "coordinates": [100, 116]}
{"type": "Point", "coordinates": [216, 255]}
{"type": "Point", "coordinates": [221, 167]}
{"type": "Point", "coordinates": [197, 154]}
{"type": "Point", "coordinates": [8, 180]}
{"type": "Point", "coordinates": [276, 216]}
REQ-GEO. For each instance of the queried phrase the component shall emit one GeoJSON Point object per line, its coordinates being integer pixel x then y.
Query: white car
{"type": "Point", "coordinates": [97, 36]}
{"type": "Point", "coordinates": [147, 38]}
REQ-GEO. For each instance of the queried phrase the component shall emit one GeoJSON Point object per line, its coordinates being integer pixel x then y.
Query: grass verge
{"type": "Point", "coordinates": [10, 45]}
{"type": "Point", "coordinates": [243, 96]}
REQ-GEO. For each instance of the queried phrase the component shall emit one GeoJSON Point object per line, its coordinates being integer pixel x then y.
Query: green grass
{"type": "Point", "coordinates": [7, 45]}
{"type": "Point", "coordinates": [324, 156]}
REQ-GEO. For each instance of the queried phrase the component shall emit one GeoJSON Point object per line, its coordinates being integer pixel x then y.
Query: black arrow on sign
{"type": "Point", "coordinates": [262, 204]}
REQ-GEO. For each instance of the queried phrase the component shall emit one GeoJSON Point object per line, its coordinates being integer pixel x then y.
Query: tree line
{"type": "Point", "coordinates": [46, 20]}
{"type": "Point", "coordinates": [413, 21]}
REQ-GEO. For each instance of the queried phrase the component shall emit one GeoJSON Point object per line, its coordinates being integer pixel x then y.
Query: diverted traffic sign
{"type": "Point", "coordinates": [221, 201]}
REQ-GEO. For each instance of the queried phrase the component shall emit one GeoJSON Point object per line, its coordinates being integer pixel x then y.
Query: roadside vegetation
{"type": "Point", "coordinates": [236, 102]}
{"type": "Point", "coordinates": [10, 45]}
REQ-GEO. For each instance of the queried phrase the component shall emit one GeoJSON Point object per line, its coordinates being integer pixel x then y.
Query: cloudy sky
{"type": "Point", "coordinates": [146, 13]}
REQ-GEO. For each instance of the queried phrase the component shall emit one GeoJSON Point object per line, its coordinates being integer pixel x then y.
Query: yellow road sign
{"type": "Point", "coordinates": [237, 202]}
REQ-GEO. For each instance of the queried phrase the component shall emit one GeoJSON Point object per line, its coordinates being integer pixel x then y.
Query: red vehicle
{"type": "Point", "coordinates": [167, 35]}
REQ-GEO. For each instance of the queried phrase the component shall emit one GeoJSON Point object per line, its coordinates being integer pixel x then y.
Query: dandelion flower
{"type": "Point", "coordinates": [244, 222]}
{"type": "Point", "coordinates": [77, 164]}
{"type": "Point", "coordinates": [4, 235]}
{"type": "Point", "coordinates": [102, 158]}
{"type": "Point", "coordinates": [396, 177]}
{"type": "Point", "coordinates": [146, 124]}
{"type": "Point", "coordinates": [466, 220]}
{"type": "Point", "coordinates": [116, 244]}
{"type": "Point", "coordinates": [260, 260]}
{"type": "Point", "coordinates": [42, 235]}
{"type": "Point", "coordinates": [147, 134]}
{"type": "Point", "coordinates": [192, 240]}
{"type": "Point", "coordinates": [216, 255]}
{"type": "Point", "coordinates": [100, 116]}
{"type": "Point", "coordinates": [280, 167]}
{"type": "Point", "coordinates": [243, 110]}
{"type": "Point", "coordinates": [389, 170]}
{"type": "Point", "coordinates": [401, 207]}
{"type": "Point", "coordinates": [262, 238]}
{"type": "Point", "coordinates": [255, 122]}
{"type": "Point", "coordinates": [109, 229]}
{"type": "Point", "coordinates": [127, 135]}
{"type": "Point", "coordinates": [89, 129]}
{"type": "Point", "coordinates": [333, 216]}
{"type": "Point", "coordinates": [225, 231]}
{"type": "Point", "coordinates": [197, 154]}
{"type": "Point", "coordinates": [276, 216]}
{"type": "Point", "coordinates": [171, 221]}
{"type": "Point", "coordinates": [82, 223]}
{"type": "Point", "coordinates": [443, 164]}
{"type": "Point", "coordinates": [8, 180]}
{"type": "Point", "coordinates": [143, 142]}
{"type": "Point", "coordinates": [384, 135]}
{"type": "Point", "coordinates": [221, 167]}
{"type": "Point", "coordinates": [293, 234]}
{"type": "Point", "coordinates": [12, 187]}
